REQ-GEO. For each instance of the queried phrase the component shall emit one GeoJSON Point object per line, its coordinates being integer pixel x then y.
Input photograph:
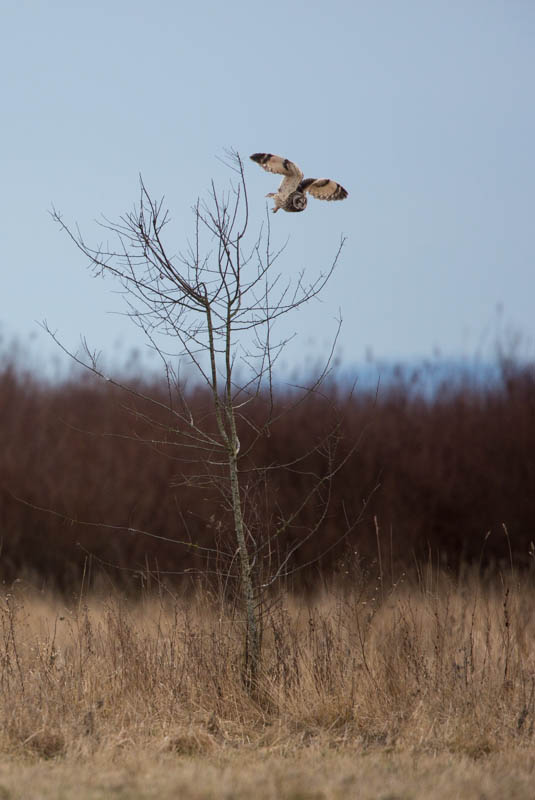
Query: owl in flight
{"type": "Point", "coordinates": [292, 193]}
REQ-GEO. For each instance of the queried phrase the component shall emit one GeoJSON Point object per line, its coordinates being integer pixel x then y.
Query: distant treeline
{"type": "Point", "coordinates": [449, 477]}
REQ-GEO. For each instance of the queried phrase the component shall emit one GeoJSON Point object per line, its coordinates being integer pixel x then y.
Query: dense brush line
{"type": "Point", "coordinates": [449, 469]}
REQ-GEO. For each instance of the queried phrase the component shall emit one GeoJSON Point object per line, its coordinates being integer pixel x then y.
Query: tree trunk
{"type": "Point", "coordinates": [252, 635]}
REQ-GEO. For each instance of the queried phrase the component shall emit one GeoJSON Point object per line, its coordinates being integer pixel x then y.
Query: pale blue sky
{"type": "Point", "coordinates": [423, 109]}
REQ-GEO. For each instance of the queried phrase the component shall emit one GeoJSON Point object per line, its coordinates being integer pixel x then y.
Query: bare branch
{"type": "Point", "coordinates": [214, 307]}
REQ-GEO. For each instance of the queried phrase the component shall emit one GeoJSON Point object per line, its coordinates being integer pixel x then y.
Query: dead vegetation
{"type": "Point", "coordinates": [429, 667]}
{"type": "Point", "coordinates": [419, 686]}
{"type": "Point", "coordinates": [451, 468]}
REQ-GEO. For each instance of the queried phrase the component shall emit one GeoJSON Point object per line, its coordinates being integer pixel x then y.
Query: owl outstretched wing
{"type": "Point", "coordinates": [323, 189]}
{"type": "Point", "coordinates": [281, 166]}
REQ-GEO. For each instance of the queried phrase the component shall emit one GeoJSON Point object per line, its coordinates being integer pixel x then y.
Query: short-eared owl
{"type": "Point", "coordinates": [291, 194]}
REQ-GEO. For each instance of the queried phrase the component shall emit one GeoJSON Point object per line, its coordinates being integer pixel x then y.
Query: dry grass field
{"type": "Point", "coordinates": [422, 690]}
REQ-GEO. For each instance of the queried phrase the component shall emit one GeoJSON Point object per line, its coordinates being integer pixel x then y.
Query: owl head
{"type": "Point", "coordinates": [296, 201]}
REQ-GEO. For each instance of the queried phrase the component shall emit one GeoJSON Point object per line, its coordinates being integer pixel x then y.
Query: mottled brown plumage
{"type": "Point", "coordinates": [291, 194]}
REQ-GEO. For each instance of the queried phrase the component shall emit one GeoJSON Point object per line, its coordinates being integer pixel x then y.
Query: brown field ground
{"type": "Point", "coordinates": [424, 689]}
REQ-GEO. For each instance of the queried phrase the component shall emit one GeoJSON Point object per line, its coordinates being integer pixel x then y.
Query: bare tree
{"type": "Point", "coordinates": [219, 300]}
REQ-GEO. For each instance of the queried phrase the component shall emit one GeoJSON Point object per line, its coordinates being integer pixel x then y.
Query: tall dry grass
{"type": "Point", "coordinates": [428, 665]}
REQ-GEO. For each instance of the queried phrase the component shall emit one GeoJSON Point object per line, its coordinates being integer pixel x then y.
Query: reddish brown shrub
{"type": "Point", "coordinates": [449, 469]}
